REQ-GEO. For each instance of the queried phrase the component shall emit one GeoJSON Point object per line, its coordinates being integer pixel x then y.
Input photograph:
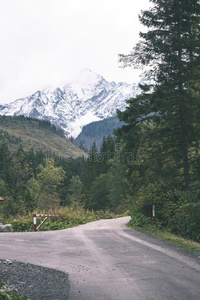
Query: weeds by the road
{"type": "Point", "coordinates": [7, 295]}
{"type": "Point", "coordinates": [66, 217]}
{"type": "Point", "coordinates": [165, 234]}
{"type": "Point", "coordinates": [145, 224]}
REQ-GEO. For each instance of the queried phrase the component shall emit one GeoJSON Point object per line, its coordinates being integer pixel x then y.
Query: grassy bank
{"type": "Point", "coordinates": [65, 218]}
{"type": "Point", "coordinates": [166, 235]}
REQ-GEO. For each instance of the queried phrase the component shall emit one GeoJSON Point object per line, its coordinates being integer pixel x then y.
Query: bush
{"type": "Point", "coordinates": [186, 218]}
{"type": "Point", "coordinates": [24, 224]}
{"type": "Point", "coordinates": [177, 210]}
{"type": "Point", "coordinates": [139, 220]}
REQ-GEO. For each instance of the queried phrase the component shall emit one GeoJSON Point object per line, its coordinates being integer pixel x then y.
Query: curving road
{"type": "Point", "coordinates": [107, 261]}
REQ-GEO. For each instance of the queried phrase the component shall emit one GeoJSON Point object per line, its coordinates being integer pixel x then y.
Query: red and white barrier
{"type": "Point", "coordinates": [35, 227]}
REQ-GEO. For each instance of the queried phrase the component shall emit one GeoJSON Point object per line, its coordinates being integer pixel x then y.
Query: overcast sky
{"type": "Point", "coordinates": [44, 42]}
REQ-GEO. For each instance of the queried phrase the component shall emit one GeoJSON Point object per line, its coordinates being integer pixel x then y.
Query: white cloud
{"type": "Point", "coordinates": [43, 42]}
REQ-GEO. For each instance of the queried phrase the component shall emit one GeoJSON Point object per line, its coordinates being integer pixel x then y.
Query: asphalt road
{"type": "Point", "coordinates": [106, 261]}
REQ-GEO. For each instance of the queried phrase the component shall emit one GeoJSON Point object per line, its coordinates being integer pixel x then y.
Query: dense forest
{"type": "Point", "coordinates": [154, 158]}
{"type": "Point", "coordinates": [32, 180]}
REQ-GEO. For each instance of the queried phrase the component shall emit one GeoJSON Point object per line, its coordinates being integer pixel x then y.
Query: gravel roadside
{"type": "Point", "coordinates": [34, 282]}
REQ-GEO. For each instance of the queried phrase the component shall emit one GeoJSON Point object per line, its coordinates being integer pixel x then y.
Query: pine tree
{"type": "Point", "coordinates": [6, 165]}
{"type": "Point", "coordinates": [99, 193]}
{"type": "Point", "coordinates": [23, 170]}
{"type": "Point", "coordinates": [171, 50]}
{"type": "Point", "coordinates": [107, 152]}
{"type": "Point", "coordinates": [76, 191]}
{"type": "Point", "coordinates": [92, 167]}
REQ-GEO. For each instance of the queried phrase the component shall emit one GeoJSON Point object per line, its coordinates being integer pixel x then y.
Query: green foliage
{"type": "Point", "coordinates": [11, 207]}
{"type": "Point", "coordinates": [7, 295]}
{"type": "Point", "coordinates": [99, 193]}
{"type": "Point", "coordinates": [26, 178]}
{"type": "Point", "coordinates": [186, 215]}
{"type": "Point", "coordinates": [92, 170]}
{"type": "Point", "coordinates": [48, 180]}
{"type": "Point", "coordinates": [21, 224]}
{"type": "Point", "coordinates": [162, 233]}
{"type": "Point", "coordinates": [6, 165]}
{"type": "Point", "coordinates": [118, 185]}
{"type": "Point", "coordinates": [66, 217]}
{"type": "Point", "coordinates": [76, 191]}
{"type": "Point", "coordinates": [162, 123]}
{"type": "Point", "coordinates": [104, 181]}
{"type": "Point", "coordinates": [170, 48]}
{"type": "Point", "coordinates": [139, 220]}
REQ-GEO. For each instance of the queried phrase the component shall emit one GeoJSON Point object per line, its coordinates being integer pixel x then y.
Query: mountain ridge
{"type": "Point", "coordinates": [86, 98]}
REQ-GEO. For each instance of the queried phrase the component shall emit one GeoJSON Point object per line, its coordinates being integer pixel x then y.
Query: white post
{"type": "Point", "coordinates": [154, 214]}
{"type": "Point", "coordinates": [34, 222]}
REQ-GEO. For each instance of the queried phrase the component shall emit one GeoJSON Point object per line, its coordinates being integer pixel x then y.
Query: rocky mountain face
{"type": "Point", "coordinates": [85, 99]}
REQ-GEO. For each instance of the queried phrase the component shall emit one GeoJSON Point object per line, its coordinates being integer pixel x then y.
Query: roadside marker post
{"type": "Point", "coordinates": [34, 222]}
{"type": "Point", "coordinates": [35, 227]}
{"type": "Point", "coordinates": [154, 214]}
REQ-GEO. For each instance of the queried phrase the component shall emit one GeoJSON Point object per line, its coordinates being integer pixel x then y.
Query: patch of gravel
{"type": "Point", "coordinates": [34, 282]}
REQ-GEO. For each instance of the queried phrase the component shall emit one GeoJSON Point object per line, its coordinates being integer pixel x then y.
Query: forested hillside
{"type": "Point", "coordinates": [36, 135]}
{"type": "Point", "coordinates": [95, 131]}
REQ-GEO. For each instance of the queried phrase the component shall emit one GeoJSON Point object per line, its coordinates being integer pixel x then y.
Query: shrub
{"type": "Point", "coordinates": [186, 218]}
{"type": "Point", "coordinates": [67, 217]}
{"type": "Point", "coordinates": [139, 220]}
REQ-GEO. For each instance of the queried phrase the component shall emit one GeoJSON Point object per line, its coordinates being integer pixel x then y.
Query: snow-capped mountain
{"type": "Point", "coordinates": [85, 99]}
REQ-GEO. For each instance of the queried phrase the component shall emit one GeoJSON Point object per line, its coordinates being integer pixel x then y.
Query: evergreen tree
{"type": "Point", "coordinates": [107, 152]}
{"type": "Point", "coordinates": [171, 50]}
{"type": "Point", "coordinates": [99, 193]}
{"type": "Point", "coordinates": [6, 166]}
{"type": "Point", "coordinates": [76, 191]}
{"type": "Point", "coordinates": [22, 171]}
{"type": "Point", "coordinates": [92, 168]}
{"type": "Point", "coordinates": [117, 185]}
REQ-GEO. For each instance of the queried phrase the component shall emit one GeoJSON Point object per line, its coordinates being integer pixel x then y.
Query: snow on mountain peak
{"type": "Point", "coordinates": [86, 98]}
{"type": "Point", "coordinates": [86, 79]}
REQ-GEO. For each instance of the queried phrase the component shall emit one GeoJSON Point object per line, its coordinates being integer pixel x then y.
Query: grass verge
{"type": "Point", "coordinates": [168, 236]}
{"type": "Point", "coordinates": [66, 217]}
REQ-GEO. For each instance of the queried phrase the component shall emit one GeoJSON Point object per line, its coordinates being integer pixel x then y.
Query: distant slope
{"type": "Point", "coordinates": [96, 130]}
{"type": "Point", "coordinates": [36, 134]}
